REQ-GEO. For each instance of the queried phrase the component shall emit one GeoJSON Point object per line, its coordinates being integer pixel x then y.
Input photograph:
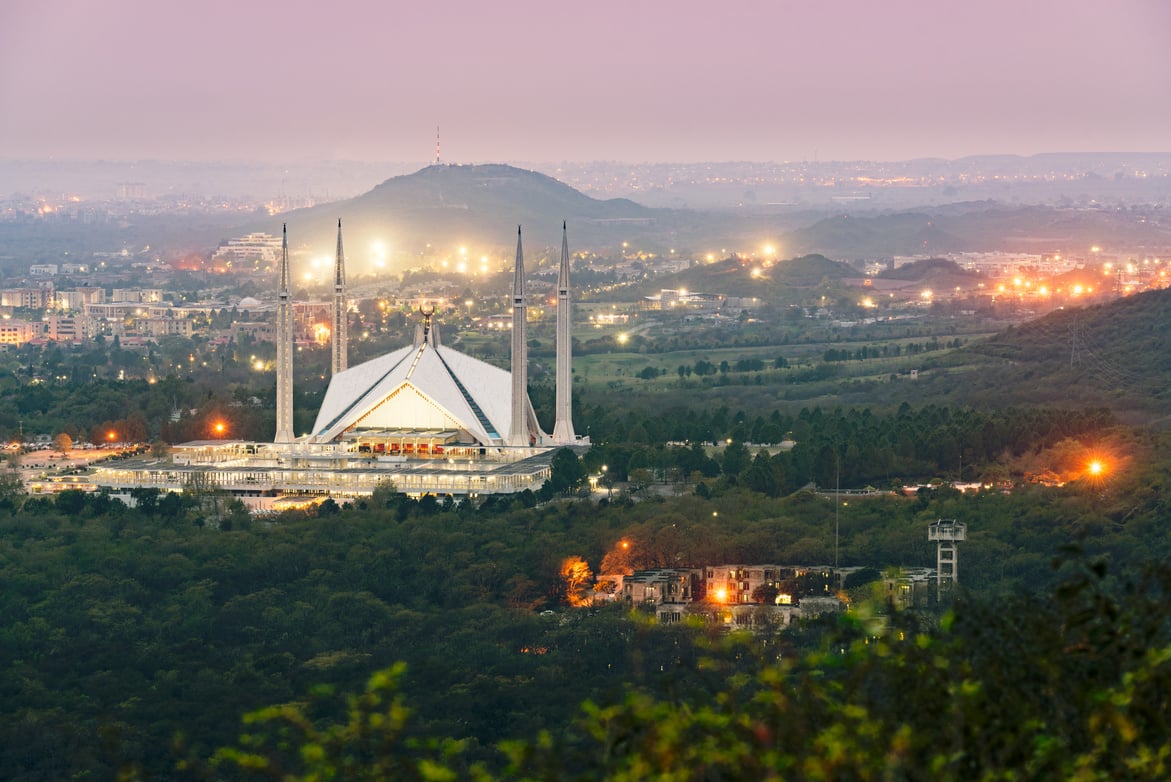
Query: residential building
{"type": "Point", "coordinates": [18, 332]}
{"type": "Point", "coordinates": [61, 328]}
{"type": "Point", "coordinates": [667, 590]}
{"type": "Point", "coordinates": [27, 298]}
{"type": "Point", "coordinates": [745, 584]}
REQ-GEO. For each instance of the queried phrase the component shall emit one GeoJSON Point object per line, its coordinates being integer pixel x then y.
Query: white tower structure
{"type": "Point", "coordinates": [284, 349]}
{"type": "Point", "coordinates": [563, 425]}
{"type": "Point", "coordinates": [947, 533]}
{"type": "Point", "coordinates": [518, 433]}
{"type": "Point", "coordinates": [339, 330]}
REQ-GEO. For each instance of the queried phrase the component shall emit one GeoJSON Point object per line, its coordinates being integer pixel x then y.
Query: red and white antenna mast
{"type": "Point", "coordinates": [436, 145]}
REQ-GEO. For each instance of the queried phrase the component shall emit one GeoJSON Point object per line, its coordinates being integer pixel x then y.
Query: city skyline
{"type": "Point", "coordinates": [644, 81]}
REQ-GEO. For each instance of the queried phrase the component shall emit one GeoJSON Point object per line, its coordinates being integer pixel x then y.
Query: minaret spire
{"type": "Point", "coordinates": [339, 330]}
{"type": "Point", "coordinates": [518, 432]}
{"type": "Point", "coordinates": [284, 349]}
{"type": "Point", "coordinates": [563, 425]}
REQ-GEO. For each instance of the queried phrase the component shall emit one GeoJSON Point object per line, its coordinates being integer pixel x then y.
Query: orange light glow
{"type": "Point", "coordinates": [721, 595]}
{"type": "Point", "coordinates": [1096, 468]}
{"type": "Point", "coordinates": [220, 427]}
{"type": "Point", "coordinates": [111, 436]}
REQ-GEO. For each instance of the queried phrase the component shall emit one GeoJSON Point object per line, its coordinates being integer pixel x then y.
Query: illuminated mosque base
{"type": "Point", "coordinates": [421, 420]}
{"type": "Point", "coordinates": [267, 476]}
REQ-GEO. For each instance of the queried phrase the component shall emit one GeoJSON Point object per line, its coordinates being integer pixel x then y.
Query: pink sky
{"type": "Point", "coordinates": [602, 80]}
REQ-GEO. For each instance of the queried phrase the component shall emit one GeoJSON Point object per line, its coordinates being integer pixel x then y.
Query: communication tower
{"type": "Point", "coordinates": [947, 533]}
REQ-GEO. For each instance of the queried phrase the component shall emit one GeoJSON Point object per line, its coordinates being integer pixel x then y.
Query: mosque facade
{"type": "Point", "coordinates": [423, 419]}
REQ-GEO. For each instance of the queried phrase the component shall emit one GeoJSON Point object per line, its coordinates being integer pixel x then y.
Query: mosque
{"type": "Point", "coordinates": [425, 419]}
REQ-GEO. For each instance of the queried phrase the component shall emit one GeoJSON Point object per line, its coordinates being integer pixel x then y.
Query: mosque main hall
{"type": "Point", "coordinates": [424, 419]}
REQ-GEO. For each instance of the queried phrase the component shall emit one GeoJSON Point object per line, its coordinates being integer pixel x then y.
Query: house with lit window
{"type": "Point", "coordinates": [777, 584]}
{"type": "Point", "coordinates": [667, 590]}
{"type": "Point", "coordinates": [908, 587]}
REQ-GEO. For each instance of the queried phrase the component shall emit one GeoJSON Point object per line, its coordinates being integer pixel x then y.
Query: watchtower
{"type": "Point", "coordinates": [947, 533]}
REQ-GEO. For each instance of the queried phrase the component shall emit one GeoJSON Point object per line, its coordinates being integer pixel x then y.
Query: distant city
{"type": "Point", "coordinates": [35, 189]}
{"type": "Point", "coordinates": [101, 277]}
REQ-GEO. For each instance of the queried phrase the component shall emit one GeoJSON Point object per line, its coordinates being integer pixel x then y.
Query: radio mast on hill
{"type": "Point", "coordinates": [437, 145]}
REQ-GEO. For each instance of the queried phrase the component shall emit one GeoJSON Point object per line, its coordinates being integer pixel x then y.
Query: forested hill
{"type": "Point", "coordinates": [737, 277]}
{"type": "Point", "coordinates": [939, 272]}
{"type": "Point", "coordinates": [1116, 354]}
{"type": "Point", "coordinates": [475, 204]}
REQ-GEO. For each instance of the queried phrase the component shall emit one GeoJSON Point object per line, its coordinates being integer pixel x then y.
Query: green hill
{"type": "Point", "coordinates": [937, 273]}
{"type": "Point", "coordinates": [735, 277]}
{"type": "Point", "coordinates": [440, 208]}
{"type": "Point", "coordinates": [1116, 354]}
{"type": "Point", "coordinates": [850, 236]}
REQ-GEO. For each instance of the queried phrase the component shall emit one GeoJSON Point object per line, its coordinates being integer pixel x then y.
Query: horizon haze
{"type": "Point", "coordinates": [636, 82]}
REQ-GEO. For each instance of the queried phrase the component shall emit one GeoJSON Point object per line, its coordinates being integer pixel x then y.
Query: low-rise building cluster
{"type": "Point", "coordinates": [758, 596]}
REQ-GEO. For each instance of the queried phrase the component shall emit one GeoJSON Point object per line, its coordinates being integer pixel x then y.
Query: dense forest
{"type": "Point", "coordinates": [130, 629]}
{"type": "Point", "coordinates": [436, 639]}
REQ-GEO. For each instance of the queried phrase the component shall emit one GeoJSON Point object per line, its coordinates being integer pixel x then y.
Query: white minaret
{"type": "Point", "coordinates": [340, 329]}
{"type": "Point", "coordinates": [284, 350]}
{"type": "Point", "coordinates": [563, 426]}
{"type": "Point", "coordinates": [518, 432]}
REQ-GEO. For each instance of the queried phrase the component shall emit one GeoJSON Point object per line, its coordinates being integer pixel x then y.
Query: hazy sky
{"type": "Point", "coordinates": [625, 80]}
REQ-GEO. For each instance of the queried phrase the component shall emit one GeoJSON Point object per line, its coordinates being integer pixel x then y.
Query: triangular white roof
{"type": "Point", "coordinates": [419, 387]}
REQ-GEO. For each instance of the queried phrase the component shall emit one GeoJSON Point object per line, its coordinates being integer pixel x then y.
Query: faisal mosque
{"type": "Point", "coordinates": [425, 419]}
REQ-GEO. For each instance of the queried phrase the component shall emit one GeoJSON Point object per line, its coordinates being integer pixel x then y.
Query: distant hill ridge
{"type": "Point", "coordinates": [479, 205]}
{"type": "Point", "coordinates": [734, 277]}
{"type": "Point", "coordinates": [491, 187]}
{"type": "Point", "coordinates": [975, 227]}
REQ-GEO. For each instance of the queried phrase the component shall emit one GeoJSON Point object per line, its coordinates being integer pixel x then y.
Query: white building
{"type": "Point", "coordinates": [425, 418]}
{"type": "Point", "coordinates": [259, 246]}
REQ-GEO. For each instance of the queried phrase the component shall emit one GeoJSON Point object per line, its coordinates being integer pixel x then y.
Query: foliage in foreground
{"type": "Point", "coordinates": [1074, 687]}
